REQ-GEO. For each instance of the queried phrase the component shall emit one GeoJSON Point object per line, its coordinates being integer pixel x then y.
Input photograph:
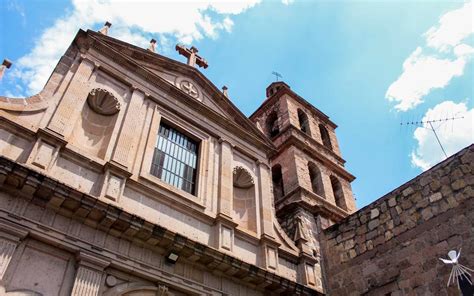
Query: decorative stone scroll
{"type": "Point", "coordinates": [103, 102]}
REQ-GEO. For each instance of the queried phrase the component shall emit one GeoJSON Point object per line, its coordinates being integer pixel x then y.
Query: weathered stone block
{"type": "Point", "coordinates": [458, 184]}
{"type": "Point", "coordinates": [374, 213]}
{"type": "Point", "coordinates": [407, 191]}
{"type": "Point", "coordinates": [373, 224]}
{"type": "Point", "coordinates": [435, 197]}
{"type": "Point", "coordinates": [392, 202]}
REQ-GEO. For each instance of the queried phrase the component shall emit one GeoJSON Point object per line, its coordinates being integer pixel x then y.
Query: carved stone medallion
{"type": "Point", "coordinates": [189, 88]}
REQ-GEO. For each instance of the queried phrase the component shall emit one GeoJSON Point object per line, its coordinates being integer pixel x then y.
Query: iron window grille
{"type": "Point", "coordinates": [175, 159]}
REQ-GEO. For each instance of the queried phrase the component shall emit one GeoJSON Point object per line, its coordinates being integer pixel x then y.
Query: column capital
{"type": "Point", "coordinates": [92, 261]}
{"type": "Point", "coordinates": [12, 232]}
{"type": "Point", "coordinates": [226, 220]}
{"type": "Point", "coordinates": [222, 140]}
{"type": "Point", "coordinates": [84, 58]}
{"type": "Point", "coordinates": [263, 164]}
{"type": "Point", "coordinates": [137, 89]}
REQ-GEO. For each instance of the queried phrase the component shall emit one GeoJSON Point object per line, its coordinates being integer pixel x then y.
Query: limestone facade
{"type": "Point", "coordinates": [82, 204]}
{"type": "Point", "coordinates": [132, 174]}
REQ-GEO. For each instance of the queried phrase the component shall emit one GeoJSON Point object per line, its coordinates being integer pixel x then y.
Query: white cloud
{"type": "Point", "coordinates": [424, 71]}
{"type": "Point", "coordinates": [454, 27]}
{"type": "Point", "coordinates": [453, 134]}
{"type": "Point", "coordinates": [421, 74]}
{"type": "Point", "coordinates": [287, 2]}
{"type": "Point", "coordinates": [133, 22]}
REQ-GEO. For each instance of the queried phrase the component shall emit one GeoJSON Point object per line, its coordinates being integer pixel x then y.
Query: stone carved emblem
{"type": "Point", "coordinates": [189, 88]}
{"type": "Point", "coordinates": [103, 102]}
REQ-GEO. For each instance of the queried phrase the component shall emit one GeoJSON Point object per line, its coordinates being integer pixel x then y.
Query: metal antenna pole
{"type": "Point", "coordinates": [439, 142]}
{"type": "Point", "coordinates": [430, 122]}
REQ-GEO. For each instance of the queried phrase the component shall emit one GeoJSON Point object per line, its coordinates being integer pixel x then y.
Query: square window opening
{"type": "Point", "coordinates": [175, 158]}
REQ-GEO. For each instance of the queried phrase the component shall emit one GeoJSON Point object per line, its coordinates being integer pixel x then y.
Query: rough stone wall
{"type": "Point", "coordinates": [392, 246]}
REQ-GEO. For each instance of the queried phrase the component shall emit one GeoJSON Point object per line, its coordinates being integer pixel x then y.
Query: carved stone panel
{"type": "Point", "coordinates": [114, 186]}
{"type": "Point", "coordinates": [189, 87]}
{"type": "Point", "coordinates": [226, 238]}
{"type": "Point", "coordinates": [272, 257]}
{"type": "Point", "coordinates": [44, 155]}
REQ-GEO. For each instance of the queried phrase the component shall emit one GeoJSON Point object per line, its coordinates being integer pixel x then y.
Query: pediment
{"type": "Point", "coordinates": [185, 78]}
{"type": "Point", "coordinates": [187, 84]}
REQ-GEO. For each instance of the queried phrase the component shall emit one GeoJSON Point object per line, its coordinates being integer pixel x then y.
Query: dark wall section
{"type": "Point", "coordinates": [392, 246]}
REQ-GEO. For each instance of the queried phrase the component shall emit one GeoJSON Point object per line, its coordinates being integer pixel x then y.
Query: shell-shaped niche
{"type": "Point", "coordinates": [244, 209]}
{"type": "Point", "coordinates": [103, 102]}
{"type": "Point", "coordinates": [94, 128]}
{"type": "Point", "coordinates": [242, 178]}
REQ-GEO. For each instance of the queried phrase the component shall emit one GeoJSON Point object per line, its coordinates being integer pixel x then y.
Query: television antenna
{"type": "Point", "coordinates": [277, 75]}
{"type": "Point", "coordinates": [424, 123]}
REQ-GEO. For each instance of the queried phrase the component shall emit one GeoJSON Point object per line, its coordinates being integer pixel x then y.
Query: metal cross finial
{"type": "Point", "coordinates": [277, 75]}
{"type": "Point", "coordinates": [191, 54]}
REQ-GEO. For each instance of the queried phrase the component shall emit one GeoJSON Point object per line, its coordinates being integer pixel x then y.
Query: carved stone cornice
{"type": "Point", "coordinates": [315, 204]}
{"type": "Point", "coordinates": [284, 90]}
{"type": "Point", "coordinates": [120, 223]}
{"type": "Point", "coordinates": [292, 137]}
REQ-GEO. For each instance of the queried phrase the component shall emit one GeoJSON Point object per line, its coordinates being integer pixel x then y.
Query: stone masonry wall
{"type": "Point", "coordinates": [392, 246]}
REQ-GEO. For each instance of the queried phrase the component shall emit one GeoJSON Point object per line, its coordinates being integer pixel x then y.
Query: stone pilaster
{"type": "Point", "coordinates": [88, 275]}
{"type": "Point", "coordinates": [266, 207]}
{"type": "Point", "coordinates": [10, 236]}
{"type": "Point", "coordinates": [7, 248]}
{"type": "Point", "coordinates": [65, 116]}
{"type": "Point", "coordinates": [128, 139]}
{"type": "Point", "coordinates": [225, 180]}
{"type": "Point", "coordinates": [150, 143]}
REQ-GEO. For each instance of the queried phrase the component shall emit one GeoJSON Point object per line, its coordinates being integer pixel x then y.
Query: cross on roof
{"type": "Point", "coordinates": [191, 54]}
{"type": "Point", "coordinates": [277, 75]}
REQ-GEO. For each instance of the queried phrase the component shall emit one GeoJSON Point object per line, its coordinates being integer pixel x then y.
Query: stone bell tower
{"type": "Point", "coordinates": [311, 187]}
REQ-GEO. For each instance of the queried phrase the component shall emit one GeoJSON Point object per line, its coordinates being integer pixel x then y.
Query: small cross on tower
{"type": "Point", "coordinates": [191, 54]}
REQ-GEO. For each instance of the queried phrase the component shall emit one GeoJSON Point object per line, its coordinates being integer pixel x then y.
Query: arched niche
{"type": "Point", "coordinates": [277, 179]}
{"type": "Point", "coordinates": [316, 179]}
{"type": "Point", "coordinates": [272, 125]}
{"type": "Point", "coordinates": [244, 207]}
{"type": "Point", "coordinates": [338, 193]}
{"type": "Point", "coordinates": [303, 121]}
{"type": "Point", "coordinates": [141, 289]}
{"type": "Point", "coordinates": [325, 136]}
{"type": "Point", "coordinates": [93, 130]}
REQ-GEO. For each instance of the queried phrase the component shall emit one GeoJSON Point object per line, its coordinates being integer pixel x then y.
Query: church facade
{"type": "Point", "coordinates": [132, 174]}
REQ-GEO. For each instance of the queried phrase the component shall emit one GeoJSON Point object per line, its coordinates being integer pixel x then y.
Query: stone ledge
{"type": "Point", "coordinates": [316, 205]}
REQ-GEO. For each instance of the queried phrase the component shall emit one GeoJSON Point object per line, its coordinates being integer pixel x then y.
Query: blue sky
{"type": "Point", "coordinates": [368, 65]}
